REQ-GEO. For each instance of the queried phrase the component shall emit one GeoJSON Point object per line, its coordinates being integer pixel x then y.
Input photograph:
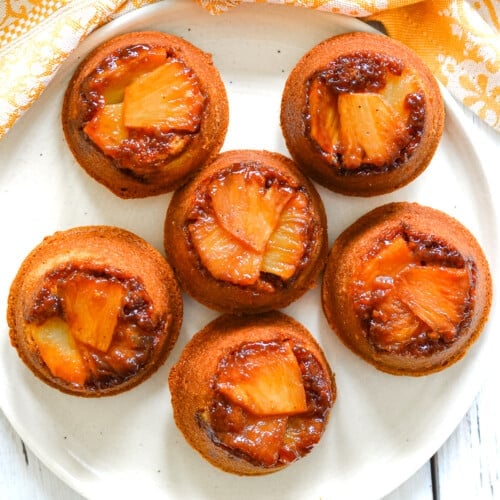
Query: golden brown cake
{"type": "Point", "coordinates": [143, 111]}
{"type": "Point", "coordinates": [94, 310]}
{"type": "Point", "coordinates": [252, 394]}
{"type": "Point", "coordinates": [362, 114]}
{"type": "Point", "coordinates": [407, 288]}
{"type": "Point", "coordinates": [247, 233]}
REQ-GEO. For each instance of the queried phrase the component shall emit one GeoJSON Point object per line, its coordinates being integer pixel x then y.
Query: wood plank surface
{"type": "Point", "coordinates": [468, 464]}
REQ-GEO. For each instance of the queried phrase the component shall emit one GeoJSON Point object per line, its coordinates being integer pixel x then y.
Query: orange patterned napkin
{"type": "Point", "coordinates": [458, 39]}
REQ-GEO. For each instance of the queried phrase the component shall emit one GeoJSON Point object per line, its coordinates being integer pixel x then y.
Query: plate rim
{"type": "Point", "coordinates": [121, 23]}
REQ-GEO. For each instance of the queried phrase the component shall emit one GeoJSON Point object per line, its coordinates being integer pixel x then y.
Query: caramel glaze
{"type": "Point", "coordinates": [203, 415]}
{"type": "Point", "coordinates": [135, 336]}
{"type": "Point", "coordinates": [364, 71]}
{"type": "Point", "coordinates": [234, 428]}
{"type": "Point", "coordinates": [435, 239]}
{"type": "Point", "coordinates": [357, 62]}
{"type": "Point", "coordinates": [148, 323]}
{"type": "Point", "coordinates": [269, 292]}
{"type": "Point", "coordinates": [151, 162]}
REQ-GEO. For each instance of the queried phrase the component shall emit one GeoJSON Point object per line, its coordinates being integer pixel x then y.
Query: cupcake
{"type": "Point", "coordinates": [94, 311]}
{"type": "Point", "coordinates": [143, 111]}
{"type": "Point", "coordinates": [252, 394]}
{"type": "Point", "coordinates": [247, 233]}
{"type": "Point", "coordinates": [407, 288]}
{"type": "Point", "coordinates": [362, 114]}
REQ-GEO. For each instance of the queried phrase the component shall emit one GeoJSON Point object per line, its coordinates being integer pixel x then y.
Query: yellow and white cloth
{"type": "Point", "coordinates": [459, 40]}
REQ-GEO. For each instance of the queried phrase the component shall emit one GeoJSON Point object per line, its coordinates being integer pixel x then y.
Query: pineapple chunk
{"type": "Point", "coordinates": [371, 130]}
{"type": "Point", "coordinates": [125, 70]}
{"type": "Point", "coordinates": [168, 98]}
{"type": "Point", "coordinates": [91, 308]}
{"type": "Point", "coordinates": [106, 129]}
{"type": "Point", "coordinates": [265, 380]}
{"type": "Point", "coordinates": [324, 121]}
{"type": "Point", "coordinates": [225, 257]}
{"type": "Point", "coordinates": [397, 88]}
{"type": "Point", "coordinates": [392, 323]}
{"type": "Point", "coordinates": [388, 262]}
{"type": "Point", "coordinates": [260, 439]}
{"type": "Point", "coordinates": [289, 241]}
{"type": "Point", "coordinates": [246, 208]}
{"type": "Point", "coordinates": [436, 295]}
{"type": "Point", "coordinates": [58, 350]}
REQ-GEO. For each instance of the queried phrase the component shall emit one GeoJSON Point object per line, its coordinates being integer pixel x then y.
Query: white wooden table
{"type": "Point", "coordinates": [466, 467]}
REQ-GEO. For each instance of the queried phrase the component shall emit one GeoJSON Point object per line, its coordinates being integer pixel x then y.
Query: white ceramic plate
{"type": "Point", "coordinates": [382, 428]}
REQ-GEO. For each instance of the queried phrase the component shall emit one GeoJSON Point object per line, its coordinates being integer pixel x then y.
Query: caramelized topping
{"type": "Point", "coordinates": [414, 297]}
{"type": "Point", "coordinates": [360, 72]}
{"type": "Point", "coordinates": [365, 111]}
{"type": "Point", "coordinates": [92, 329]}
{"type": "Point", "coordinates": [270, 402]}
{"type": "Point", "coordinates": [143, 106]}
{"type": "Point", "coordinates": [248, 221]}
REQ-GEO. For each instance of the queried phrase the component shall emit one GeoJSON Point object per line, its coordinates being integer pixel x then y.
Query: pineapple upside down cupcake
{"type": "Point", "coordinates": [362, 114]}
{"type": "Point", "coordinates": [94, 311]}
{"type": "Point", "coordinates": [143, 111]}
{"type": "Point", "coordinates": [407, 288]}
{"type": "Point", "coordinates": [252, 394]}
{"type": "Point", "coordinates": [247, 233]}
